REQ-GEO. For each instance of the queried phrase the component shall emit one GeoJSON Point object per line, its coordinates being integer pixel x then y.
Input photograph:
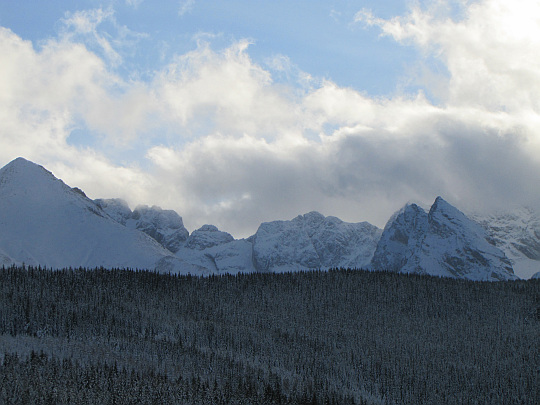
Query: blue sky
{"type": "Point", "coordinates": [239, 112]}
{"type": "Point", "coordinates": [319, 37]}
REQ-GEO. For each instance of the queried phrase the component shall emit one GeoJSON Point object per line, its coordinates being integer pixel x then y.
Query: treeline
{"type": "Point", "coordinates": [343, 336]}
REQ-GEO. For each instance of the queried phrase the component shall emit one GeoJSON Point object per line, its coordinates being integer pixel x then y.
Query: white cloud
{"type": "Point", "coordinates": [85, 27]}
{"type": "Point", "coordinates": [134, 3]}
{"type": "Point", "coordinates": [227, 143]}
{"type": "Point", "coordinates": [185, 7]}
{"type": "Point", "coordinates": [85, 23]}
{"type": "Point", "coordinates": [223, 91]}
{"type": "Point", "coordinates": [490, 53]}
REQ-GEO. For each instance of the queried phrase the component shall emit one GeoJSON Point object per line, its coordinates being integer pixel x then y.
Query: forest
{"type": "Point", "coordinates": [344, 336]}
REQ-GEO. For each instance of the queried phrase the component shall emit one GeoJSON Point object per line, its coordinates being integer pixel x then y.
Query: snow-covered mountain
{"type": "Point", "coordinates": [207, 249]}
{"type": "Point", "coordinates": [45, 222]}
{"type": "Point", "coordinates": [517, 234]}
{"type": "Point", "coordinates": [217, 251]}
{"type": "Point", "coordinates": [442, 242]}
{"type": "Point", "coordinates": [206, 237]}
{"type": "Point", "coordinates": [313, 241]}
{"type": "Point", "coordinates": [165, 226]}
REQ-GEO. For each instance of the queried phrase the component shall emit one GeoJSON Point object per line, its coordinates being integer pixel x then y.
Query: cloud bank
{"type": "Point", "coordinates": [217, 137]}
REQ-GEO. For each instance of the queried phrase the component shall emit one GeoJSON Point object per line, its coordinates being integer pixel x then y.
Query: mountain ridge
{"type": "Point", "coordinates": [443, 241]}
{"type": "Point", "coordinates": [45, 222]}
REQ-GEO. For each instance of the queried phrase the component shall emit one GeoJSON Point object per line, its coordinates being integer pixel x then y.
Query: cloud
{"type": "Point", "coordinates": [185, 7]}
{"type": "Point", "coordinates": [49, 92]}
{"type": "Point", "coordinates": [85, 23]}
{"type": "Point", "coordinates": [86, 27]}
{"type": "Point", "coordinates": [489, 52]}
{"type": "Point", "coordinates": [230, 142]}
{"type": "Point", "coordinates": [134, 3]}
{"type": "Point", "coordinates": [223, 91]}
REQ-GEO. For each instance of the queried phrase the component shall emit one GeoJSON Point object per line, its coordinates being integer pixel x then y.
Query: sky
{"type": "Point", "coordinates": [239, 112]}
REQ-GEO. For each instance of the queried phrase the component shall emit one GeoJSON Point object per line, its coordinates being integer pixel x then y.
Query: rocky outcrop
{"type": "Point", "coordinates": [313, 241]}
{"type": "Point", "coordinates": [164, 226]}
{"type": "Point", "coordinates": [442, 242]}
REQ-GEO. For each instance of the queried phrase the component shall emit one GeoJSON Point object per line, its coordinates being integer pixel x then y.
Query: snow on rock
{"type": "Point", "coordinates": [313, 241]}
{"type": "Point", "coordinates": [207, 236]}
{"type": "Point", "coordinates": [517, 234]}
{"type": "Point", "coordinates": [231, 257]}
{"type": "Point", "coordinates": [443, 242]}
{"type": "Point", "coordinates": [165, 226]}
{"type": "Point", "coordinates": [402, 235]}
{"type": "Point", "coordinates": [536, 276]}
{"type": "Point", "coordinates": [234, 257]}
{"type": "Point", "coordinates": [5, 260]}
{"type": "Point", "coordinates": [116, 208]}
{"type": "Point", "coordinates": [45, 222]}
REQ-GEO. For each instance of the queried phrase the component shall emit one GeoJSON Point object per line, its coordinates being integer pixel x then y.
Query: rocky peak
{"type": "Point", "coordinates": [206, 237]}
{"type": "Point", "coordinates": [164, 226]}
{"type": "Point", "coordinates": [442, 242]}
{"type": "Point", "coordinates": [313, 241]}
{"type": "Point", "coordinates": [517, 233]}
{"type": "Point", "coordinates": [116, 208]}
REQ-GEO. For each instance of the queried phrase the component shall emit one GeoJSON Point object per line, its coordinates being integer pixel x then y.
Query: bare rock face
{"type": "Point", "coordinates": [313, 241]}
{"type": "Point", "coordinates": [442, 242]}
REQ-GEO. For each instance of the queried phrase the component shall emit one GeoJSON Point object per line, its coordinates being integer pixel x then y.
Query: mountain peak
{"type": "Point", "coordinates": [46, 222]}
{"type": "Point", "coordinates": [206, 237]}
{"type": "Point", "coordinates": [22, 166]}
{"type": "Point", "coordinates": [19, 161]}
{"type": "Point", "coordinates": [441, 205]}
{"type": "Point", "coordinates": [24, 177]}
{"type": "Point", "coordinates": [443, 242]}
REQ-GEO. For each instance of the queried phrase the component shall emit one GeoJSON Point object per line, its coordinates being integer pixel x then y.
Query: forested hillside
{"type": "Point", "coordinates": [337, 337]}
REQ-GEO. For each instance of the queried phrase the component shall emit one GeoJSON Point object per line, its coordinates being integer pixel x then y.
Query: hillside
{"type": "Point", "coordinates": [45, 222]}
{"type": "Point", "coordinates": [307, 337]}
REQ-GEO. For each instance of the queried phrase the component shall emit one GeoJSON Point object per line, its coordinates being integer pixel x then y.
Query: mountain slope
{"type": "Point", "coordinates": [43, 221]}
{"type": "Point", "coordinates": [313, 241]}
{"type": "Point", "coordinates": [517, 234]}
{"type": "Point", "coordinates": [443, 242]}
{"type": "Point", "coordinates": [164, 226]}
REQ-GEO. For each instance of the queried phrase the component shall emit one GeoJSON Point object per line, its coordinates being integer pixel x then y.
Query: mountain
{"type": "Point", "coordinates": [45, 222]}
{"type": "Point", "coordinates": [517, 234]}
{"type": "Point", "coordinates": [206, 237]}
{"type": "Point", "coordinates": [217, 251]}
{"type": "Point", "coordinates": [164, 226]}
{"type": "Point", "coordinates": [313, 241]}
{"type": "Point", "coordinates": [306, 242]}
{"type": "Point", "coordinates": [207, 249]}
{"type": "Point", "coordinates": [442, 242]}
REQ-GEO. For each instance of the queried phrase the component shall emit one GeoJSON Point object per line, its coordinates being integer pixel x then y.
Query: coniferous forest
{"type": "Point", "coordinates": [338, 337]}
